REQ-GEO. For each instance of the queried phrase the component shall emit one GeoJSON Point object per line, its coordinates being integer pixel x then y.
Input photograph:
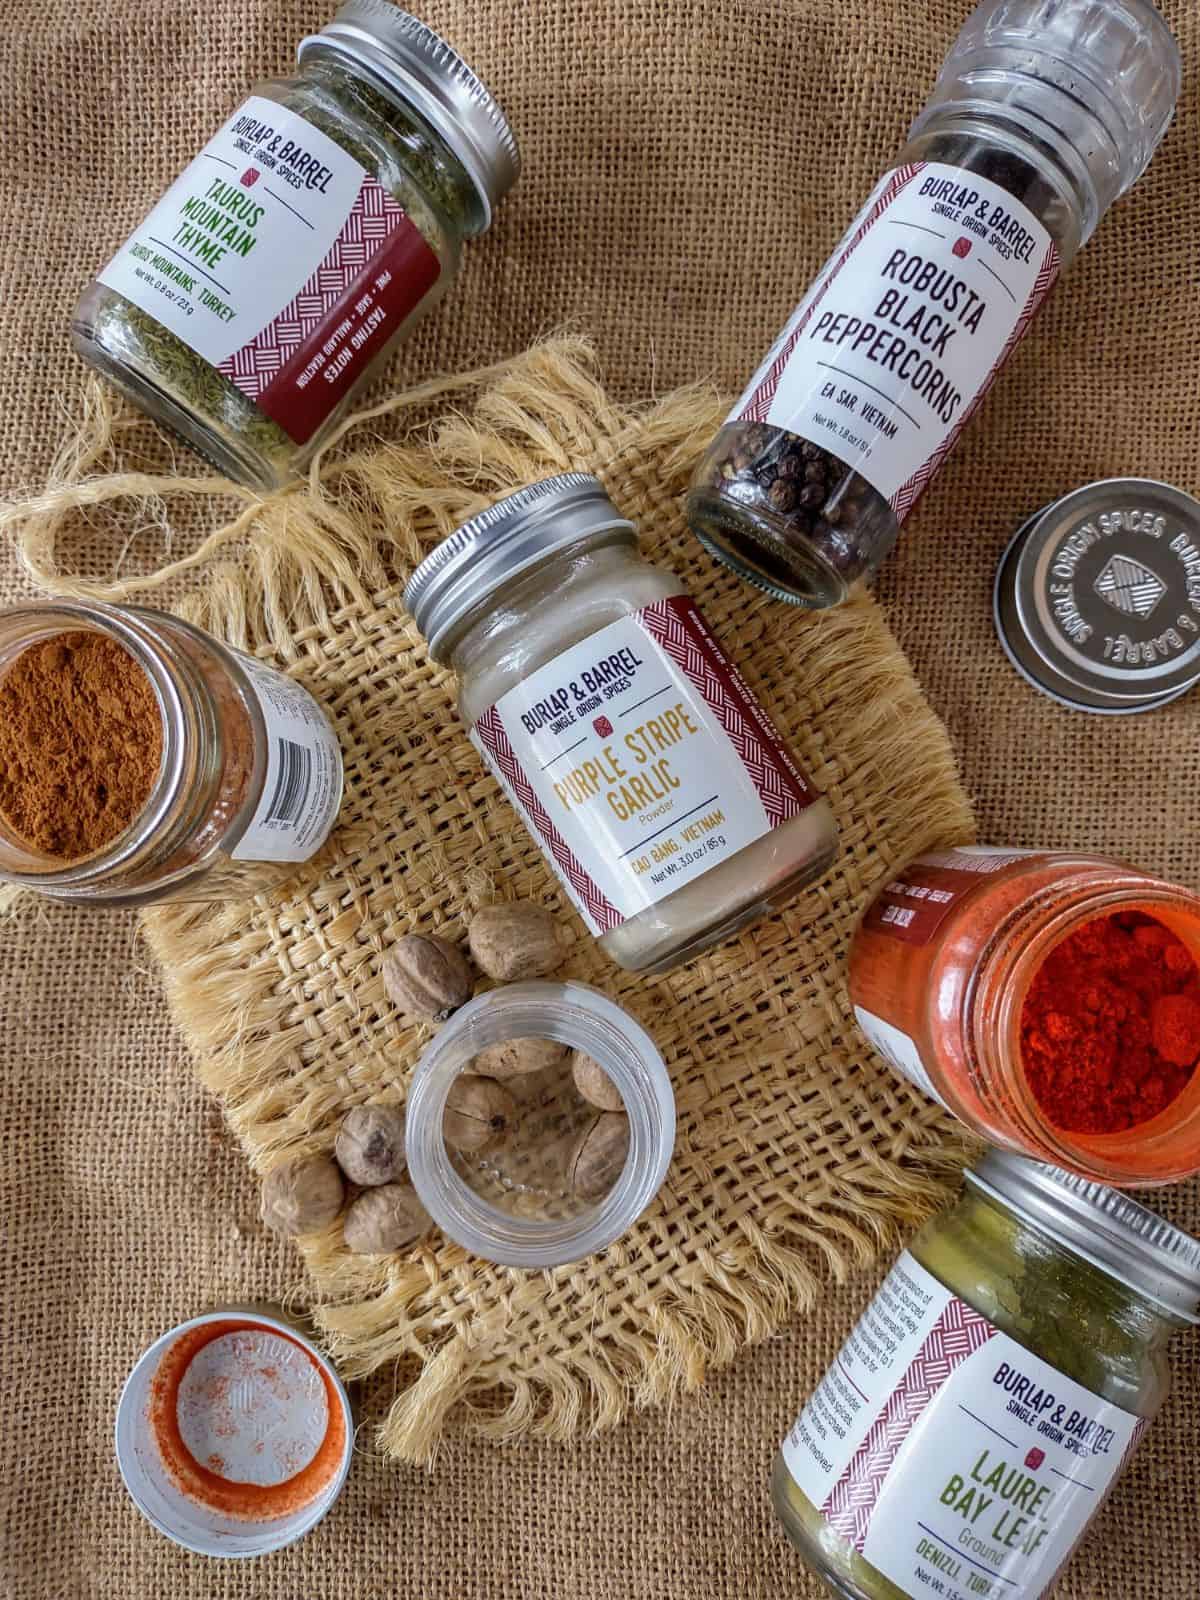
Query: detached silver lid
{"type": "Point", "coordinates": [1125, 1240]}
{"type": "Point", "coordinates": [409, 57]}
{"type": "Point", "coordinates": [1097, 598]}
{"type": "Point", "coordinates": [516, 533]}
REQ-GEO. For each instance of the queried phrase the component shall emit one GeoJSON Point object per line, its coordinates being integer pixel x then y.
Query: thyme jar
{"type": "Point", "coordinates": [249, 781]}
{"type": "Point", "coordinates": [628, 743]}
{"type": "Point", "coordinates": [991, 1394]}
{"type": "Point", "coordinates": [303, 242]}
{"type": "Point", "coordinates": [1045, 112]}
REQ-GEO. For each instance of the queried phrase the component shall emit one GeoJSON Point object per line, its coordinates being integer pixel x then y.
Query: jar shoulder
{"type": "Point", "coordinates": [358, 126]}
{"type": "Point", "coordinates": [532, 633]}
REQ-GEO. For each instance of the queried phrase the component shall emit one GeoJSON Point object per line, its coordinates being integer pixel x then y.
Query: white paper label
{"type": "Point", "coordinates": [903, 332]}
{"type": "Point", "coordinates": [954, 1460]}
{"type": "Point", "coordinates": [302, 793]}
{"type": "Point", "coordinates": [639, 759]}
{"type": "Point", "coordinates": [898, 1050]}
{"type": "Point", "coordinates": [219, 257]}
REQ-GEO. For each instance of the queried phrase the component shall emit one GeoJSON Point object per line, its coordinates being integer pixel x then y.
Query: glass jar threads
{"type": "Point", "coordinates": [306, 238]}
{"type": "Point", "coordinates": [628, 743]}
{"type": "Point", "coordinates": [992, 1392]}
{"type": "Point", "coordinates": [190, 771]}
{"type": "Point", "coordinates": [1043, 115]}
{"type": "Point", "coordinates": [1051, 1000]}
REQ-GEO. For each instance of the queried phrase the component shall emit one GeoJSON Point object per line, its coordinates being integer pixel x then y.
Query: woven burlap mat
{"type": "Point", "coordinates": [798, 1157]}
{"type": "Point", "coordinates": [687, 169]}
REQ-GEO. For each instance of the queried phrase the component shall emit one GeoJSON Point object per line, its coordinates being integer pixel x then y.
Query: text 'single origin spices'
{"type": "Point", "coordinates": [80, 743]}
{"type": "Point", "coordinates": [1044, 113]}
{"type": "Point", "coordinates": [319, 223]}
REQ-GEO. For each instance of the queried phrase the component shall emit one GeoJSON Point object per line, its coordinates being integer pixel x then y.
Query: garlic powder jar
{"type": "Point", "coordinates": [629, 744]}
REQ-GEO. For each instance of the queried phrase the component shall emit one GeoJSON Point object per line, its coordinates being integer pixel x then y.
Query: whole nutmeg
{"type": "Point", "coordinates": [427, 977]}
{"type": "Point", "coordinates": [385, 1219]}
{"type": "Point", "coordinates": [302, 1196]}
{"type": "Point", "coordinates": [512, 1058]}
{"type": "Point", "coordinates": [594, 1084]}
{"type": "Point", "coordinates": [598, 1157]}
{"type": "Point", "coordinates": [479, 1112]}
{"type": "Point", "coordinates": [370, 1145]}
{"type": "Point", "coordinates": [514, 941]}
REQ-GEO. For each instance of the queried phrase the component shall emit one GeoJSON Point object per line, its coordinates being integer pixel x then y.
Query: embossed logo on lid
{"type": "Point", "coordinates": [1097, 598]}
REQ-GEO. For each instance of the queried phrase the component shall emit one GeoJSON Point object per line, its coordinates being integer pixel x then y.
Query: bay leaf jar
{"type": "Point", "coordinates": [630, 746]}
{"type": "Point", "coordinates": [304, 241]}
{"type": "Point", "coordinates": [992, 1393]}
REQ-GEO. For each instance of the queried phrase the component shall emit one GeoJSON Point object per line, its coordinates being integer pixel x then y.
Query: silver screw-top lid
{"type": "Point", "coordinates": [510, 537]}
{"type": "Point", "coordinates": [404, 54]}
{"type": "Point", "coordinates": [1097, 598]}
{"type": "Point", "coordinates": [1125, 1240]}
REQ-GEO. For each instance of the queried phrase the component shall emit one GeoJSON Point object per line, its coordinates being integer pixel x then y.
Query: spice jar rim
{"type": "Point", "coordinates": [996, 999]}
{"type": "Point", "coordinates": [500, 543]}
{"type": "Point", "coordinates": [577, 1015]}
{"type": "Point", "coordinates": [1110, 1230]}
{"type": "Point", "coordinates": [121, 626]}
{"type": "Point", "coordinates": [408, 58]}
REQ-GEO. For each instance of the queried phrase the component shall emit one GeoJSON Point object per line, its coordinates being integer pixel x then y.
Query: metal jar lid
{"type": "Point", "coordinates": [1125, 1240]}
{"type": "Point", "coordinates": [1097, 598]}
{"type": "Point", "coordinates": [400, 51]}
{"type": "Point", "coordinates": [516, 533]}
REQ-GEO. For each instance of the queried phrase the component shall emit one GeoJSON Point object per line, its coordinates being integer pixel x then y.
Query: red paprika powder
{"type": "Point", "coordinates": [1110, 1030]}
{"type": "Point", "coordinates": [1049, 999]}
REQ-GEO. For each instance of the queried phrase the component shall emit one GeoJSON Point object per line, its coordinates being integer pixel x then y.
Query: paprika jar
{"type": "Point", "coordinates": [628, 743]}
{"type": "Point", "coordinates": [304, 241]}
{"type": "Point", "coordinates": [1049, 999]}
{"type": "Point", "coordinates": [1045, 113]}
{"type": "Point", "coordinates": [992, 1393]}
{"type": "Point", "coordinates": [141, 759]}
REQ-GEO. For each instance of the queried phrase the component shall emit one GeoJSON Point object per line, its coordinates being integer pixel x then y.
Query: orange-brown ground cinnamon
{"type": "Point", "coordinates": [80, 743]}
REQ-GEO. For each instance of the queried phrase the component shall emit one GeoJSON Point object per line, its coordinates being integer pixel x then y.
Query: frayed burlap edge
{"type": "Point", "coordinates": [278, 571]}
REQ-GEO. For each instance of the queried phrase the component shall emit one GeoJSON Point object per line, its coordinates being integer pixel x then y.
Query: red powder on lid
{"type": "Point", "coordinates": [1110, 1031]}
{"type": "Point", "coordinates": [251, 1394]}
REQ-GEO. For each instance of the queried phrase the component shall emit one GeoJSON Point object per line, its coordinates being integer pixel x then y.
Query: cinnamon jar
{"type": "Point", "coordinates": [205, 774]}
{"type": "Point", "coordinates": [987, 977]}
{"type": "Point", "coordinates": [320, 223]}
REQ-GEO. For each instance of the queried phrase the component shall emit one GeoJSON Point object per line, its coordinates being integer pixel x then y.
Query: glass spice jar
{"type": "Point", "coordinates": [303, 242]}
{"type": "Point", "coordinates": [1045, 112]}
{"type": "Point", "coordinates": [991, 1394]}
{"type": "Point", "coordinates": [627, 742]}
{"type": "Point", "coordinates": [944, 964]}
{"type": "Point", "coordinates": [249, 783]}
{"type": "Point", "coordinates": [515, 1203]}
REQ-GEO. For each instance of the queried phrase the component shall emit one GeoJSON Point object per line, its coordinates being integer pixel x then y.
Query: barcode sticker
{"type": "Point", "coordinates": [302, 791]}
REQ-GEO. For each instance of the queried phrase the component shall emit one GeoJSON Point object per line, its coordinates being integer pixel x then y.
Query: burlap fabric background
{"type": "Point", "coordinates": [686, 171]}
{"type": "Point", "coordinates": [796, 1157]}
